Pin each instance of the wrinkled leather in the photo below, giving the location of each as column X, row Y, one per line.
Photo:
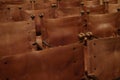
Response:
column 61, row 31
column 60, row 63
column 103, row 25
column 103, row 58
column 16, row 37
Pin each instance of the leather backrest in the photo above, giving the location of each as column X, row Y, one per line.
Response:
column 103, row 25
column 61, row 31
column 11, row 1
column 113, row 8
column 60, row 63
column 69, row 3
column 16, row 37
column 103, row 58
column 113, row 1
column 12, row 13
column 94, row 6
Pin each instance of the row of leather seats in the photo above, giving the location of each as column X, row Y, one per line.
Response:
column 69, row 35
column 57, row 23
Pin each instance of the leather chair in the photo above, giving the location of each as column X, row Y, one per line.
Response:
column 61, row 31
column 103, row 25
column 59, row 63
column 103, row 58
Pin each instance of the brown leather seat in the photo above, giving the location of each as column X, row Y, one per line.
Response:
column 103, row 25
column 51, row 13
column 16, row 37
column 61, row 31
column 103, row 58
column 60, row 63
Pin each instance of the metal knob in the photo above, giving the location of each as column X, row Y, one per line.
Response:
column 41, row 15
column 32, row 17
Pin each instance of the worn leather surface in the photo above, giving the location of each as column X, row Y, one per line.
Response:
column 61, row 31
column 16, row 37
column 69, row 3
column 113, row 8
column 91, row 2
column 60, row 63
column 11, row 1
column 103, row 60
column 113, row 1
column 36, row 14
column 12, row 13
column 103, row 25
column 37, row 4
column 71, row 11
column 94, row 7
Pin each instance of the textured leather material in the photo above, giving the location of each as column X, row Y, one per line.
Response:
column 91, row 2
column 12, row 13
column 113, row 8
column 11, row 1
column 103, row 58
column 61, row 12
column 36, row 14
column 113, row 1
column 61, row 31
column 69, row 3
column 16, row 37
column 94, row 7
column 37, row 4
column 103, row 25
column 60, row 63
